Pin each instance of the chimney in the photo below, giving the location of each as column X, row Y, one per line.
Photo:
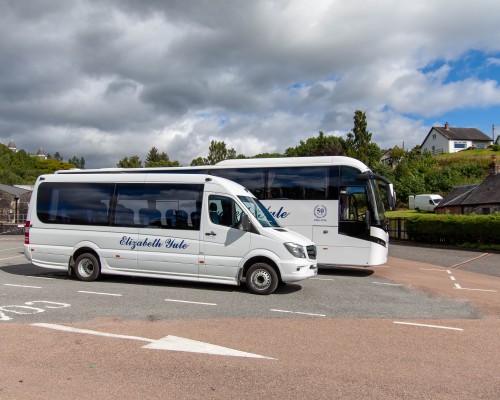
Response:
column 446, row 126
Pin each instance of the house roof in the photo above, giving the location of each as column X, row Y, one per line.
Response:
column 487, row 192
column 452, row 133
column 13, row 190
column 457, row 195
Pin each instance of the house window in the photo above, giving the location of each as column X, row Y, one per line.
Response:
column 434, row 136
column 486, row 210
column 460, row 145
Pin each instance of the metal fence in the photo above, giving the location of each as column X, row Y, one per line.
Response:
column 397, row 229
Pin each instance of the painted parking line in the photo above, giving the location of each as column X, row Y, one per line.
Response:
column 10, row 258
column 191, row 302
column 298, row 312
column 100, row 293
column 388, row 284
column 23, row 286
column 457, row 286
column 172, row 343
column 321, row 279
column 453, row 279
column 12, row 248
column 429, row 326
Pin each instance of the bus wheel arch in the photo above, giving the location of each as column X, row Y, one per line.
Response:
column 262, row 275
column 86, row 264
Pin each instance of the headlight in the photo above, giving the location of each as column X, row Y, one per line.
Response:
column 295, row 249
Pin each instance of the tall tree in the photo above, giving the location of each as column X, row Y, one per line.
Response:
column 358, row 143
column 322, row 145
column 157, row 159
column 217, row 152
column 130, row 162
column 77, row 162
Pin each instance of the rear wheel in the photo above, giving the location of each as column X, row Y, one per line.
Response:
column 87, row 267
column 261, row 278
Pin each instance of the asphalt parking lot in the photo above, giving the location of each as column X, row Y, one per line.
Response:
column 412, row 328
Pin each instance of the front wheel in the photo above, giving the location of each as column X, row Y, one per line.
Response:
column 87, row 267
column 261, row 278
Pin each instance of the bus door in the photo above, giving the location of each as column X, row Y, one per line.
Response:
column 224, row 243
column 354, row 226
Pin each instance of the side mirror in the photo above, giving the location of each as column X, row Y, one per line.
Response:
column 246, row 225
column 391, row 196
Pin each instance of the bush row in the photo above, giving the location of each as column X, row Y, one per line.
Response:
column 455, row 229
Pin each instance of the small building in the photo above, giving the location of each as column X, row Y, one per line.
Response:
column 12, row 146
column 448, row 139
column 41, row 154
column 14, row 203
column 483, row 198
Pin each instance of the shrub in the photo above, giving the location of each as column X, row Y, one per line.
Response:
column 455, row 229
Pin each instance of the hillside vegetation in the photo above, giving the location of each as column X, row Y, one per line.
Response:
column 20, row 168
column 415, row 173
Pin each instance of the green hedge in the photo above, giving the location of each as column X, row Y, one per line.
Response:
column 455, row 229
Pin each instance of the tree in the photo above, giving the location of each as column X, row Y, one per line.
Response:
column 57, row 156
column 132, row 162
column 358, row 143
column 77, row 162
column 317, row 146
column 157, row 159
column 217, row 152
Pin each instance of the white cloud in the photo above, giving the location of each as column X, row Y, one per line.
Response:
column 108, row 80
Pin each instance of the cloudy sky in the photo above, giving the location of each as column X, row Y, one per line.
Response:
column 108, row 79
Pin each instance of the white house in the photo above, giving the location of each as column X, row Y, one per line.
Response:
column 448, row 139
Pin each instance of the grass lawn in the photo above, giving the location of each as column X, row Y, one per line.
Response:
column 483, row 155
column 404, row 213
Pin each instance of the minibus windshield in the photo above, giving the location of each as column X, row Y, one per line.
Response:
column 257, row 209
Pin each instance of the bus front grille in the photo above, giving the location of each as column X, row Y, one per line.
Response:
column 311, row 252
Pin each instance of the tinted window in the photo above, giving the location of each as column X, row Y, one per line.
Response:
column 303, row 183
column 169, row 206
column 74, row 203
column 224, row 211
column 348, row 176
column 252, row 179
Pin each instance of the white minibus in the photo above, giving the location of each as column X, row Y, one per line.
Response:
column 337, row 202
column 177, row 226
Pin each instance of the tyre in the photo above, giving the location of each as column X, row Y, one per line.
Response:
column 261, row 278
column 87, row 267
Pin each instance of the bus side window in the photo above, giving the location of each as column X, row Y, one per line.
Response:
column 224, row 211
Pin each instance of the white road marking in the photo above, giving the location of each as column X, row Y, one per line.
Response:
column 434, row 269
column 428, row 326
column 477, row 290
column 191, row 302
column 8, row 258
column 298, row 312
column 13, row 248
column 23, row 286
column 172, row 343
column 103, row 294
column 452, row 278
column 389, row 284
column 321, row 279
column 457, row 286
column 41, row 277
